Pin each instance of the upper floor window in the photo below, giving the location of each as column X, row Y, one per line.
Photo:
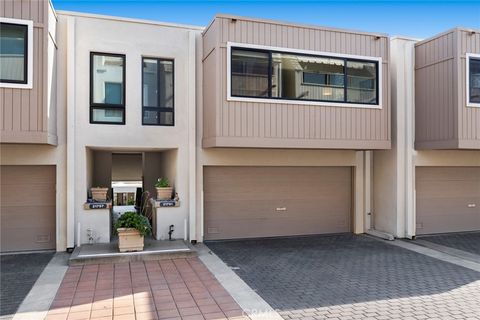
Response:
column 473, row 80
column 107, row 88
column 262, row 73
column 16, row 61
column 158, row 92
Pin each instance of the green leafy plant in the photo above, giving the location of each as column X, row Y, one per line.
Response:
column 162, row 183
column 134, row 220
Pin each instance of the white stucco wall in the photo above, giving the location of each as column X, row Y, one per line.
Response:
column 135, row 39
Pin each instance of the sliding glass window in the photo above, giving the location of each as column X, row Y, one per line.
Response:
column 474, row 80
column 158, row 92
column 291, row 76
column 107, row 88
column 13, row 53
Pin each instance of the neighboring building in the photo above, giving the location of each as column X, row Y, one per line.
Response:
column 32, row 130
column 264, row 128
column 430, row 181
column 286, row 115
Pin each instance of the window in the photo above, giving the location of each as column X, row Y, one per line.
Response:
column 261, row 73
column 107, row 88
column 473, row 80
column 250, row 73
column 158, row 92
column 16, row 53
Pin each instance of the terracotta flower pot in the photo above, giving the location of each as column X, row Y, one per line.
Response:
column 99, row 194
column 164, row 193
column 129, row 239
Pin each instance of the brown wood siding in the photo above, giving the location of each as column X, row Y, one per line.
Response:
column 242, row 202
column 256, row 124
column 27, row 208
column 468, row 117
column 442, row 119
column 24, row 112
column 448, row 199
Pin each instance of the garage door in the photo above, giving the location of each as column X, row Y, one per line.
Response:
column 27, row 206
column 448, row 199
column 249, row 202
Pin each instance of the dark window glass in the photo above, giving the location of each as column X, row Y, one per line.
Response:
column 249, row 73
column 288, row 77
column 278, row 75
column 158, row 92
column 474, row 84
column 362, row 82
column 13, row 53
column 107, row 88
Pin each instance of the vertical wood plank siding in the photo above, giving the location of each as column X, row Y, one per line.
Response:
column 24, row 112
column 468, row 118
column 258, row 124
column 442, row 118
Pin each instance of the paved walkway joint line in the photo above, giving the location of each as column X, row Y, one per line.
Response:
column 248, row 299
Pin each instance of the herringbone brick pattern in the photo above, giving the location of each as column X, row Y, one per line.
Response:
column 352, row 277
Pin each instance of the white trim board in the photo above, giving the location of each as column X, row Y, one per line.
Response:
column 29, row 84
column 306, row 102
column 467, row 80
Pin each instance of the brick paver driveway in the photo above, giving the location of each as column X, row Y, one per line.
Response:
column 18, row 273
column 468, row 241
column 352, row 277
column 166, row 289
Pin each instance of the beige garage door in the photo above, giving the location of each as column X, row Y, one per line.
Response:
column 448, row 199
column 248, row 202
column 27, row 207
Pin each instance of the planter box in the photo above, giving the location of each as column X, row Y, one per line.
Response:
column 164, row 193
column 99, row 194
column 129, row 239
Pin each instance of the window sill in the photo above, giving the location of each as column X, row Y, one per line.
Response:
column 16, row 85
column 308, row 103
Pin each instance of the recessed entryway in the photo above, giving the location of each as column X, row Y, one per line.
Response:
column 250, row 202
column 448, row 199
column 27, row 208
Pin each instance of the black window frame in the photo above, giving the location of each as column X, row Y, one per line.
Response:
column 25, row 61
column 469, row 93
column 345, row 79
column 106, row 106
column 159, row 109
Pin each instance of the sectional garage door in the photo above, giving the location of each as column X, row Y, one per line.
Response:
column 448, row 199
column 249, row 202
column 27, row 207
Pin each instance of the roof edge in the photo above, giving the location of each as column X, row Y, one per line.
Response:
column 130, row 20
column 438, row 35
column 293, row 24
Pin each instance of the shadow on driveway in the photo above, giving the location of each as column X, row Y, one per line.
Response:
column 306, row 274
column 18, row 273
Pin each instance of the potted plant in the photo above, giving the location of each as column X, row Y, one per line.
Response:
column 131, row 228
column 164, row 190
column 99, row 193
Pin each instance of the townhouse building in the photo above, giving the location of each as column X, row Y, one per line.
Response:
column 429, row 182
column 263, row 128
column 288, row 114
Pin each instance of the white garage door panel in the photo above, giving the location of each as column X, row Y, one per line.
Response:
column 448, row 199
column 241, row 202
column 28, row 211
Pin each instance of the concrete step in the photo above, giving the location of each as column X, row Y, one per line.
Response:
column 102, row 253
